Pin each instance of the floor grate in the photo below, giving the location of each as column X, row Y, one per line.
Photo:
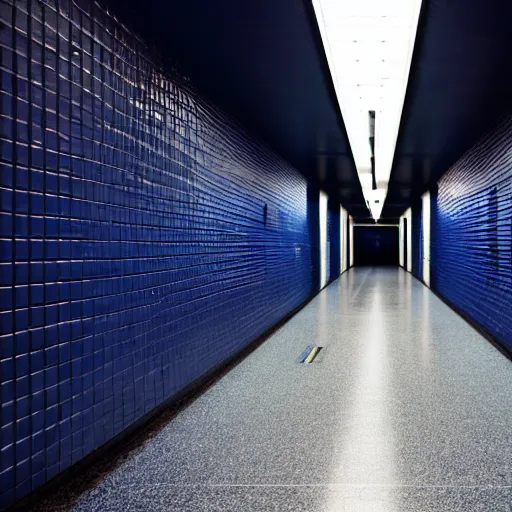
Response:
column 309, row 355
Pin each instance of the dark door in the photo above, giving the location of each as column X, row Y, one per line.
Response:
column 375, row 245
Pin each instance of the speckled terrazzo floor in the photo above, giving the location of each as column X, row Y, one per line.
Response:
column 407, row 409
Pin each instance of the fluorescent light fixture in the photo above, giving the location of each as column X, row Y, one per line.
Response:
column 324, row 257
column 425, row 227
column 369, row 45
column 407, row 216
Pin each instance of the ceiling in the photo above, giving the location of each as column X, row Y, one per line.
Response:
column 262, row 62
column 369, row 45
column 460, row 85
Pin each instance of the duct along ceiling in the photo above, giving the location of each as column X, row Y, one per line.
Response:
column 262, row 62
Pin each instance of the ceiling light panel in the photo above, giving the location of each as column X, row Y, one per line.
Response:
column 369, row 46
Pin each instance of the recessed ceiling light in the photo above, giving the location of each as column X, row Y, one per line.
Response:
column 367, row 20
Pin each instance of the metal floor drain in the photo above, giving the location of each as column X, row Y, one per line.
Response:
column 309, row 354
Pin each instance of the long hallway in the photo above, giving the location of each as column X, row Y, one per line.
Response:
column 406, row 409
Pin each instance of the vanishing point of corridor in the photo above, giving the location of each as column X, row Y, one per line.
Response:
column 407, row 408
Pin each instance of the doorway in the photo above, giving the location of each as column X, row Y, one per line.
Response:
column 405, row 243
column 376, row 245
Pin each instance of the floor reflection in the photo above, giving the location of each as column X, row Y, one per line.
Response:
column 366, row 431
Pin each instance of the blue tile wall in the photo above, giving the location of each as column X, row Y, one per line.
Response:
column 145, row 237
column 471, row 241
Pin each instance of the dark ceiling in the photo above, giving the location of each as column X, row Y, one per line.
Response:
column 262, row 61
column 460, row 85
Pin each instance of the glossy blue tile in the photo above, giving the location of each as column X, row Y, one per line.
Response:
column 143, row 255
column 471, row 237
